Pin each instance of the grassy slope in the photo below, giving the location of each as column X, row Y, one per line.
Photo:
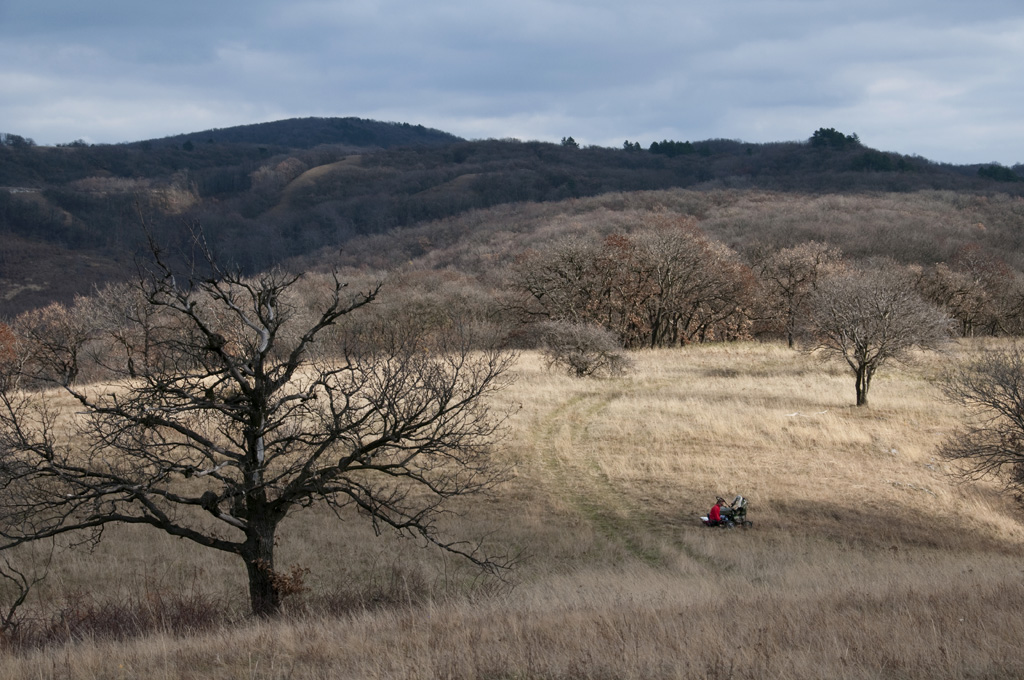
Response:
column 865, row 561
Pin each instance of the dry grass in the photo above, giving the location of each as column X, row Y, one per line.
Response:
column 865, row 561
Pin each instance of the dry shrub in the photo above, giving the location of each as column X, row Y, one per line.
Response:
column 582, row 349
column 83, row 617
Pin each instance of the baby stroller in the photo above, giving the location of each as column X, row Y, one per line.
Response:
column 733, row 515
column 736, row 513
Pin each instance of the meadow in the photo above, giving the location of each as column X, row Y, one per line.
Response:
column 867, row 558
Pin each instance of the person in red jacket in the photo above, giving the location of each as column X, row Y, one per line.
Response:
column 715, row 515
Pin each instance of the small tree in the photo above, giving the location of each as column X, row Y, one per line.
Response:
column 992, row 444
column 583, row 349
column 54, row 337
column 869, row 318
column 228, row 398
column 978, row 289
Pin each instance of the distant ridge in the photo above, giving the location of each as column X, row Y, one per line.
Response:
column 306, row 133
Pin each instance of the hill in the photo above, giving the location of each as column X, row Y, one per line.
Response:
column 306, row 133
column 268, row 192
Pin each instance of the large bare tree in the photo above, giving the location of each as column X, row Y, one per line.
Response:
column 871, row 317
column 231, row 403
column 665, row 283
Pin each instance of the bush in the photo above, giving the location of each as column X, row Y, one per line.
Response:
column 583, row 349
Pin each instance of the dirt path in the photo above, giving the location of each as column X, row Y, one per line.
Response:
column 617, row 515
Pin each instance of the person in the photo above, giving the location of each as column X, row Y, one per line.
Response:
column 715, row 514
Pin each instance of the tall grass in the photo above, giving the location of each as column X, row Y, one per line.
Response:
column 866, row 559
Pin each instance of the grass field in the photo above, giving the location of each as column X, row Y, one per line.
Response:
column 866, row 559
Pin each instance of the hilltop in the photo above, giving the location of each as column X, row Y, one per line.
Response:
column 306, row 133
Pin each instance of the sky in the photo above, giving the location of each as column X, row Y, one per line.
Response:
column 940, row 79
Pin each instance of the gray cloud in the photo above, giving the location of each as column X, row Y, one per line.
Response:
column 938, row 79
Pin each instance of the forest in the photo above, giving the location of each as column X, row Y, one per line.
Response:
column 76, row 215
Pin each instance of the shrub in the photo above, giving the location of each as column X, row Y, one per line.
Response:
column 583, row 349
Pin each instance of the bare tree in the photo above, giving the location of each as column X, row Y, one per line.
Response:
column 665, row 283
column 18, row 582
column 789, row 277
column 689, row 287
column 55, row 336
column 992, row 444
column 979, row 290
column 871, row 317
column 563, row 281
column 227, row 400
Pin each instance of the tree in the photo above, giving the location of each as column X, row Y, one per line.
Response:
column 16, row 141
column 235, row 399
column 789, row 277
column 992, row 389
column 53, row 338
column 689, row 288
column 570, row 143
column 871, row 317
column 562, row 281
column 981, row 291
column 672, row 148
column 999, row 173
column 666, row 283
column 833, row 139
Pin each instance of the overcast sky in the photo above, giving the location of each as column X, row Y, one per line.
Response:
column 941, row 79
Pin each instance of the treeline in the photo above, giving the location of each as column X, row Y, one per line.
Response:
column 235, row 150
column 678, row 267
column 668, row 284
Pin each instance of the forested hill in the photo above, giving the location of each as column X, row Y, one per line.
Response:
column 23, row 164
column 73, row 215
column 305, row 133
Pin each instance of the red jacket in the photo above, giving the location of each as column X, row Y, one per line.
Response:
column 715, row 515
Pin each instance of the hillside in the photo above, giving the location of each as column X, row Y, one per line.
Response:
column 921, row 227
column 264, row 193
column 866, row 559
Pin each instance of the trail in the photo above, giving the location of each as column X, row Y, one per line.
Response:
column 643, row 529
column 618, row 516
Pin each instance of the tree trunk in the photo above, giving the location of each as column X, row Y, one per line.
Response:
column 258, row 554
column 863, row 383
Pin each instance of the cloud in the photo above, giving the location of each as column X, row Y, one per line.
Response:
column 937, row 79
